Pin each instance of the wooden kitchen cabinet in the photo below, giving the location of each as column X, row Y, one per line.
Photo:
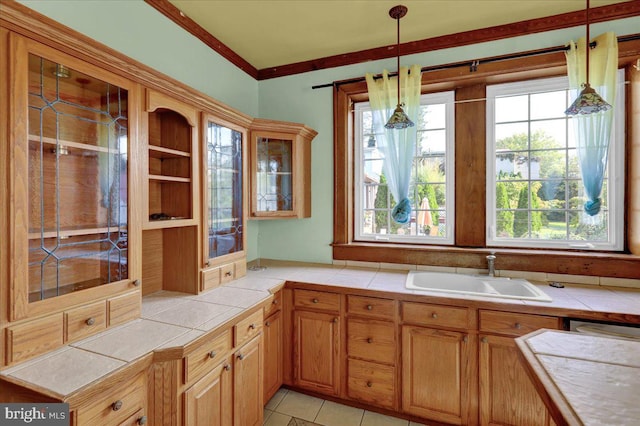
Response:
column 280, row 161
column 273, row 347
column 436, row 373
column 507, row 396
column 316, row 342
column 209, row 401
column 72, row 232
column 247, row 384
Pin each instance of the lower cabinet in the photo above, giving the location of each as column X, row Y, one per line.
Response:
column 208, row 401
column 435, row 373
column 273, row 359
column 317, row 352
column 247, row 384
column 507, row 396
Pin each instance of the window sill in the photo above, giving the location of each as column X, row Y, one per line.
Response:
column 601, row 264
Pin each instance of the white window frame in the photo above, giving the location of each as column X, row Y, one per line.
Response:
column 615, row 169
column 448, row 99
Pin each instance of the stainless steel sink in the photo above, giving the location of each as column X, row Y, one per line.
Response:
column 476, row 285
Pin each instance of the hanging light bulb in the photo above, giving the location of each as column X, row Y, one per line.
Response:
column 588, row 101
column 398, row 120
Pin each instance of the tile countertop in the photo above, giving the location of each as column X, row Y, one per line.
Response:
column 584, row 380
column 171, row 319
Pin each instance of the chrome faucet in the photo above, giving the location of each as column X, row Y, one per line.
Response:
column 491, row 264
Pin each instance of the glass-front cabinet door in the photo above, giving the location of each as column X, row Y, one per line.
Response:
column 224, row 173
column 71, row 176
column 280, row 169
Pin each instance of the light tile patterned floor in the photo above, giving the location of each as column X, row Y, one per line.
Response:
column 286, row 404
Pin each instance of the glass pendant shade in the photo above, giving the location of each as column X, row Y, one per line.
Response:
column 399, row 120
column 588, row 102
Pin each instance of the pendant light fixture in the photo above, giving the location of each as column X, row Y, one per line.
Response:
column 398, row 120
column 588, row 101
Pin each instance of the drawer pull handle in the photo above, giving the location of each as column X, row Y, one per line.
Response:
column 335, row 320
column 517, row 326
column 252, row 326
column 434, row 315
column 315, row 300
column 142, row 420
column 227, row 274
column 136, row 283
column 208, row 263
column 369, row 307
column 268, row 324
column 484, row 340
column 369, row 384
column 90, row 321
column 227, row 367
column 116, row 405
column 465, row 339
column 369, row 340
column 240, row 357
column 275, row 301
column 212, row 354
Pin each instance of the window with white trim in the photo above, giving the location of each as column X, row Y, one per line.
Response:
column 432, row 179
column 535, row 194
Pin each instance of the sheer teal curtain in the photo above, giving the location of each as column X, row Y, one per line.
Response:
column 593, row 131
column 397, row 146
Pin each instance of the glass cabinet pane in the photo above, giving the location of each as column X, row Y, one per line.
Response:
column 224, row 190
column 274, row 162
column 77, row 180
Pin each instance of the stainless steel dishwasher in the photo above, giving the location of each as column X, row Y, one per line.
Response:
column 604, row 329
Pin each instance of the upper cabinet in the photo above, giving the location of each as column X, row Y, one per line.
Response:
column 280, row 162
column 172, row 166
column 69, row 180
column 224, row 166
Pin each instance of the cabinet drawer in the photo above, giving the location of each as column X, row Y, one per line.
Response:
column 437, row 315
column 513, row 324
column 137, row 418
column 371, row 340
column 247, row 328
column 371, row 306
column 85, row 320
column 34, row 338
column 124, row 308
column 275, row 304
column 226, row 273
column 117, row 406
column 210, row 278
column 206, row 356
column 372, row 383
column 317, row 300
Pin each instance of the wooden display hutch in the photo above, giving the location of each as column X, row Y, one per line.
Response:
column 170, row 237
column 280, row 169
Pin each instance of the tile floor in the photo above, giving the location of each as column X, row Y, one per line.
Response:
column 287, row 403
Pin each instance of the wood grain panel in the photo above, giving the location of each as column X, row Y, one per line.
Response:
column 209, row 401
column 85, row 320
column 371, row 307
column 153, row 261
column 124, row 308
column 273, row 355
column 511, row 324
column 371, row 340
column 247, row 328
column 437, row 315
column 633, row 157
column 34, row 338
column 372, row 383
column 316, row 300
column 131, row 395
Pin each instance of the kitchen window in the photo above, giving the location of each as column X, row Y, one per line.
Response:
column 432, row 179
column 535, row 194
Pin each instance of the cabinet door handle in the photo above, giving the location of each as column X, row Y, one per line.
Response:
column 136, row 283
column 207, row 263
column 517, row 326
column 267, row 324
column 240, row 357
column 369, row 384
column 116, row 405
column 369, row 340
column 484, row 340
column 434, row 315
column 227, row 274
column 212, row 354
column 335, row 320
column 90, row 321
column 252, row 326
column 142, row 420
column 275, row 301
column 315, row 300
column 369, row 307
column 227, row 367
column 465, row 339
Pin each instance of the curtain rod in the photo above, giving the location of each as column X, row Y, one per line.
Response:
column 473, row 65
